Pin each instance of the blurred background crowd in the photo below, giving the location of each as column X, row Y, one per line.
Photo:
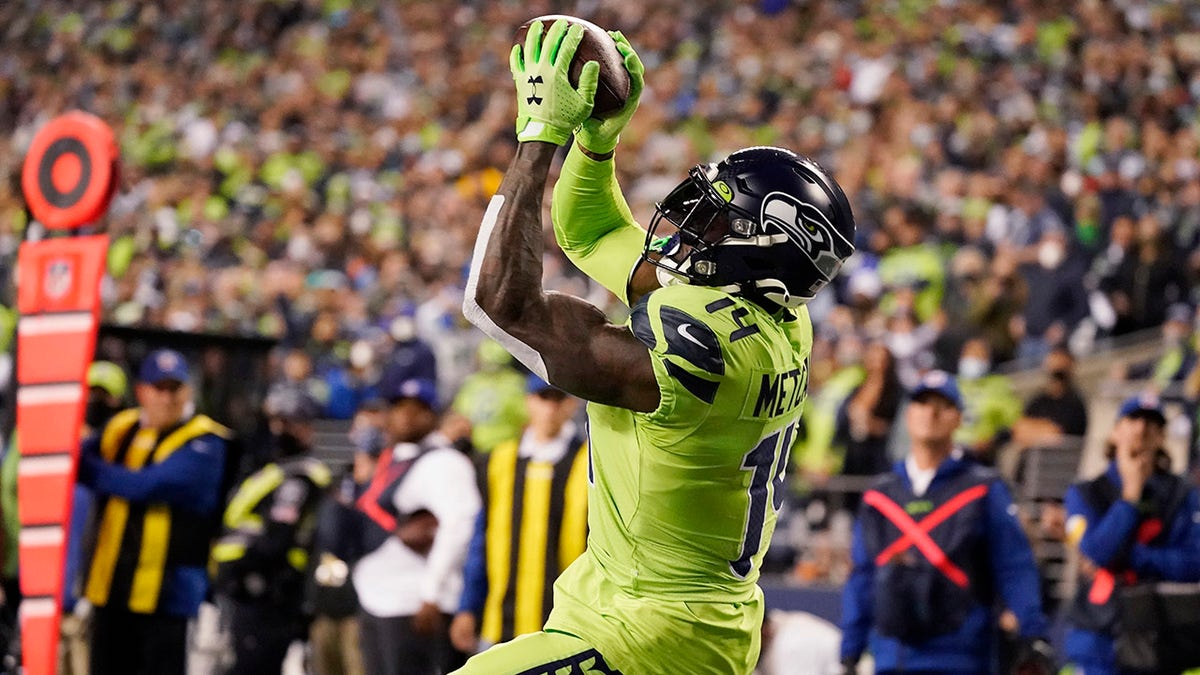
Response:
column 1025, row 178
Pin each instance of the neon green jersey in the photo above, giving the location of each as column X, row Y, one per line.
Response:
column 683, row 499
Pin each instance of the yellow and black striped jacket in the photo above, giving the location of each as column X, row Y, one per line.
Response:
column 536, row 525
column 155, row 524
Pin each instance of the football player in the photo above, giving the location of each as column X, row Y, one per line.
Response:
column 694, row 401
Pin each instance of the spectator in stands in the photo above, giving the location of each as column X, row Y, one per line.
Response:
column 296, row 372
column 1148, row 281
column 818, row 452
column 532, row 525
column 866, row 417
column 921, row 594
column 352, row 384
column 1135, row 522
column 913, row 262
column 156, row 472
column 411, row 357
column 990, row 406
column 493, row 399
column 419, row 512
column 1059, row 302
column 1057, row 410
column 1180, row 345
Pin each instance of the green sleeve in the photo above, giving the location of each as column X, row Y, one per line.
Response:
column 593, row 224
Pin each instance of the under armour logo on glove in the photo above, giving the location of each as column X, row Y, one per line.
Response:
column 533, row 98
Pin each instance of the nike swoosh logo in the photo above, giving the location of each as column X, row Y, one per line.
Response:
column 683, row 331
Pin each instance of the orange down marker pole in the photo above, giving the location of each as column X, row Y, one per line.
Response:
column 68, row 180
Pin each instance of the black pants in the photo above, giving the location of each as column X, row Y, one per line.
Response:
column 124, row 643
column 261, row 634
column 390, row 646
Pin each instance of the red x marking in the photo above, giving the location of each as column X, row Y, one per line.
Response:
column 917, row 534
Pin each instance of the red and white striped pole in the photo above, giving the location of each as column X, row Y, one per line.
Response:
column 68, row 180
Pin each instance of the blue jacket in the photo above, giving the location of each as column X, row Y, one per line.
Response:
column 188, row 481
column 475, row 581
column 1006, row 566
column 1108, row 540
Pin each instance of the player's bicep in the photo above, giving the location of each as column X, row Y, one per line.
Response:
column 591, row 358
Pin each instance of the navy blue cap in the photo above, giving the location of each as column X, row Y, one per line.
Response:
column 422, row 389
column 941, row 383
column 1143, row 405
column 536, row 385
column 162, row 365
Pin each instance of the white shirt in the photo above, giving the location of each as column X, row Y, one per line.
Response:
column 549, row 451
column 803, row 644
column 921, row 478
column 393, row 580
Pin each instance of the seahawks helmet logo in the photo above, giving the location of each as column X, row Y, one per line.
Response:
column 809, row 228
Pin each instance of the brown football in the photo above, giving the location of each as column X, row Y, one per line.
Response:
column 597, row 45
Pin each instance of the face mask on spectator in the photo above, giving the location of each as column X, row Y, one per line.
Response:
column 1050, row 254
column 972, row 367
column 903, row 345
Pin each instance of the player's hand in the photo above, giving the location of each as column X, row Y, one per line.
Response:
column 428, row 620
column 600, row 136
column 462, row 633
column 548, row 107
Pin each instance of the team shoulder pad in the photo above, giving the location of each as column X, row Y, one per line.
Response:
column 691, row 351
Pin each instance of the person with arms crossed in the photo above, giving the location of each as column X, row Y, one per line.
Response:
column 532, row 525
column 694, row 402
column 156, row 473
column 936, row 540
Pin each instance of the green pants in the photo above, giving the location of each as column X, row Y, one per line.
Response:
column 597, row 627
column 544, row 653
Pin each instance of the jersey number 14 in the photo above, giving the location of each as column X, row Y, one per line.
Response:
column 768, row 462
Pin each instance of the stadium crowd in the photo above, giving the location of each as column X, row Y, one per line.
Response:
column 312, row 170
column 1024, row 177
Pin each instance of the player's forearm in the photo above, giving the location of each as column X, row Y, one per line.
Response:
column 504, row 291
column 592, row 222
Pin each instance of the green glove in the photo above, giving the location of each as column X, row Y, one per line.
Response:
column 548, row 107
column 600, row 136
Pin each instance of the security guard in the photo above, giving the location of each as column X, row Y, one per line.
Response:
column 937, row 539
column 156, row 473
column 532, row 525
column 262, row 556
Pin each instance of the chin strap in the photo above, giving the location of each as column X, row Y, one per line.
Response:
column 775, row 291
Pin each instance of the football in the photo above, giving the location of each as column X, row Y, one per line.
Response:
column 597, row 45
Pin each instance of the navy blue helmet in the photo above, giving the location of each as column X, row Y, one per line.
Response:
column 764, row 221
